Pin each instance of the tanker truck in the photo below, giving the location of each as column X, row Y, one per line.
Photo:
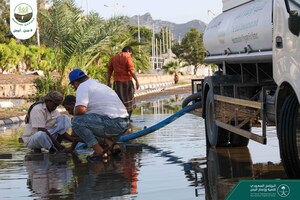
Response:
column 255, row 45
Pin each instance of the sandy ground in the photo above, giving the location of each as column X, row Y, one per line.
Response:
column 16, row 78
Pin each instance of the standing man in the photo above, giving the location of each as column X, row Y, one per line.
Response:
column 121, row 66
column 98, row 113
column 45, row 126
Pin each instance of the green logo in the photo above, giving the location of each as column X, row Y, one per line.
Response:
column 23, row 18
column 265, row 189
column 283, row 190
column 23, row 13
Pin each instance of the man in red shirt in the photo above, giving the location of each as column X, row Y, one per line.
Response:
column 121, row 67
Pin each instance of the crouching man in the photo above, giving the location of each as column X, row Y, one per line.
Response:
column 99, row 114
column 45, row 126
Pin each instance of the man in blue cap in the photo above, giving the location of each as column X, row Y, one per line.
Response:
column 98, row 113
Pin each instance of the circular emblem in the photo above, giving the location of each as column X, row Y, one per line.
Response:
column 23, row 13
column 283, row 190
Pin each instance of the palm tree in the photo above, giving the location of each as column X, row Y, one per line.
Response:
column 77, row 40
column 173, row 68
column 141, row 50
column 86, row 42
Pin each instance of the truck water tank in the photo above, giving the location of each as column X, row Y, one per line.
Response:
column 242, row 29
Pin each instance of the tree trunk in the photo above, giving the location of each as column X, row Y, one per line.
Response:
column 176, row 78
column 195, row 69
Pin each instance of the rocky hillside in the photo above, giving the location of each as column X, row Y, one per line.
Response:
column 178, row 30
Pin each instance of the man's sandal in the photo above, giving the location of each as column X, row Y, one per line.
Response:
column 114, row 149
column 95, row 157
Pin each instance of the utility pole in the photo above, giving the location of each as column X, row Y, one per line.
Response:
column 160, row 48
column 38, row 34
column 153, row 45
column 156, row 52
column 87, row 8
column 163, row 37
column 160, row 53
column 139, row 35
column 167, row 39
column 171, row 39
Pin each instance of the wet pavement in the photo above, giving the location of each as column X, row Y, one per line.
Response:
column 171, row 163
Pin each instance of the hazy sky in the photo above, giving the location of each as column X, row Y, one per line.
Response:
column 178, row 11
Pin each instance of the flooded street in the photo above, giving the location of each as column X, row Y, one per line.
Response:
column 171, row 163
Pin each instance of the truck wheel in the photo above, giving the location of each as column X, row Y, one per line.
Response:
column 240, row 141
column 215, row 136
column 289, row 136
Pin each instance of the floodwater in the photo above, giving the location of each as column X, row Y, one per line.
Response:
column 171, row 163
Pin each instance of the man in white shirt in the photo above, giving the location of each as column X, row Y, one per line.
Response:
column 44, row 124
column 98, row 113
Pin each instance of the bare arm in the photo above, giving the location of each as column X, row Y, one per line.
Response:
column 135, row 78
column 74, row 139
column 109, row 73
column 108, row 79
column 54, row 141
column 68, row 137
column 80, row 110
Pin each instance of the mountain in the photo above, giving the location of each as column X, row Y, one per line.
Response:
column 178, row 30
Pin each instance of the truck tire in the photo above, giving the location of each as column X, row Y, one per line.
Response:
column 289, row 136
column 215, row 136
column 238, row 140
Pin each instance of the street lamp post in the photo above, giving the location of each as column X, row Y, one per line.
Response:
column 115, row 7
column 139, row 34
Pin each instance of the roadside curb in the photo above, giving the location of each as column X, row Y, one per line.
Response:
column 12, row 120
column 158, row 88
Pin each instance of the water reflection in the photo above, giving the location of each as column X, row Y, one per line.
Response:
column 48, row 175
column 56, row 176
column 164, row 106
column 116, row 178
column 226, row 166
column 171, row 163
